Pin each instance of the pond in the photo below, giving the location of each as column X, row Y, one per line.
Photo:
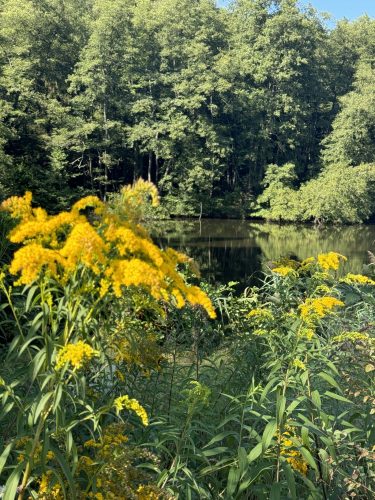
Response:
column 236, row 250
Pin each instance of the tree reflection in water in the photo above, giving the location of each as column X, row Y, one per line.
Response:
column 234, row 250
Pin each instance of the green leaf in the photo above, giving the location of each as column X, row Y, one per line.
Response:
column 280, row 407
column 305, row 436
column 275, row 493
column 294, row 404
column 324, row 461
column 66, row 470
column 289, row 476
column 233, row 480
column 242, row 461
column 267, row 388
column 57, row 398
column 12, row 484
column 255, row 453
column 38, row 363
column 42, row 405
column 215, row 451
column 328, row 378
column 315, row 397
column 220, row 437
column 268, row 434
column 4, row 456
column 30, row 296
column 338, row 397
column 309, row 458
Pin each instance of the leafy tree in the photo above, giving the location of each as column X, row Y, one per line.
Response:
column 279, row 200
column 352, row 140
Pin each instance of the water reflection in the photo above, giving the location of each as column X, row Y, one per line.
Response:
column 238, row 250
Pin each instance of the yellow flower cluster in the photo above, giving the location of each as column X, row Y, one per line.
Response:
column 124, row 402
column 145, row 492
column 330, row 260
column 75, row 354
column 297, row 363
column 142, row 189
column 19, row 207
column 318, row 308
column 116, row 249
column 287, row 263
column 307, row 333
column 308, row 262
column 260, row 314
column 294, row 457
column 111, row 438
column 357, row 279
column 48, row 492
column 283, row 270
column 351, row 337
column 260, row 332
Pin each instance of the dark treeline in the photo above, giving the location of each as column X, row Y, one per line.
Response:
column 256, row 109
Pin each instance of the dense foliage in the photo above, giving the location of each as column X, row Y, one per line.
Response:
column 83, row 278
column 198, row 99
column 119, row 380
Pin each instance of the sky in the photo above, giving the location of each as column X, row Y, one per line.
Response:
column 351, row 9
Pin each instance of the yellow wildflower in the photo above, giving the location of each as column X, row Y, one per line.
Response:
column 45, row 491
column 359, row 279
column 283, row 271
column 299, row 364
column 116, row 249
column 296, row 462
column 145, row 492
column 19, row 207
column 75, row 354
column 351, row 337
column 307, row 333
column 134, row 195
column 323, row 289
column 30, row 260
column 320, row 307
column 287, row 263
column 89, row 202
column 293, row 456
column 330, row 260
column 260, row 332
column 124, row 402
column 260, row 314
column 84, row 246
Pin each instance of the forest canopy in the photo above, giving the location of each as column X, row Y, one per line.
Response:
column 253, row 110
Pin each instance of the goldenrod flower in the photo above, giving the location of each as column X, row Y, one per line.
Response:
column 330, row 260
column 145, row 492
column 124, row 402
column 118, row 251
column 351, row 337
column 299, row 364
column 19, row 207
column 318, row 308
column 75, row 354
column 307, row 333
column 31, row 259
column 283, row 271
column 293, row 456
column 357, row 279
column 260, row 314
column 260, row 332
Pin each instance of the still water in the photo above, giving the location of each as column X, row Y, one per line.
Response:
column 236, row 250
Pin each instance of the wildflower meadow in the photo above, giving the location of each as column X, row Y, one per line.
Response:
column 122, row 378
